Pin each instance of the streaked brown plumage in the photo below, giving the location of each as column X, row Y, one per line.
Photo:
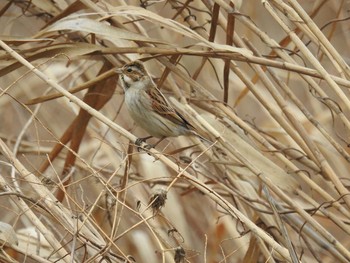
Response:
column 148, row 106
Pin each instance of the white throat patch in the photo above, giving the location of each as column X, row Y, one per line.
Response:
column 128, row 80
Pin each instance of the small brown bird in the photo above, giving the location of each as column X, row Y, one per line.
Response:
column 148, row 106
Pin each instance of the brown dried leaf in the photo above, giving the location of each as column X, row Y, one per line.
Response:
column 100, row 28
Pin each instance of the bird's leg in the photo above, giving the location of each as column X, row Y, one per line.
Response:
column 139, row 141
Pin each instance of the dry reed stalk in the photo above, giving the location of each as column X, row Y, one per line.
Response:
column 274, row 100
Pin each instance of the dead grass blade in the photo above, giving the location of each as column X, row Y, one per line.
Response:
column 267, row 84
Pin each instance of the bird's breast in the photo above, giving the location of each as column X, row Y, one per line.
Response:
column 140, row 108
column 138, row 104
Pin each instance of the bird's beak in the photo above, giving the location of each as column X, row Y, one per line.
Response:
column 119, row 70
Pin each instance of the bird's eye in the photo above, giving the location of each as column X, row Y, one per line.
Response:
column 129, row 69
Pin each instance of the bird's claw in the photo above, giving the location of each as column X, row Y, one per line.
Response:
column 138, row 143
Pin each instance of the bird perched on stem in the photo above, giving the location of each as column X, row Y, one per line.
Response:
column 148, row 106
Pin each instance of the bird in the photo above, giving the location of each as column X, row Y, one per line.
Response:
column 148, row 106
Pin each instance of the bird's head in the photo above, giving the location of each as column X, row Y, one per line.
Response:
column 131, row 73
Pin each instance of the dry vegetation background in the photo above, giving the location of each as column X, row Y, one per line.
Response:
column 266, row 81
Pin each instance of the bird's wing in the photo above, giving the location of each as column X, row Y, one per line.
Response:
column 162, row 106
